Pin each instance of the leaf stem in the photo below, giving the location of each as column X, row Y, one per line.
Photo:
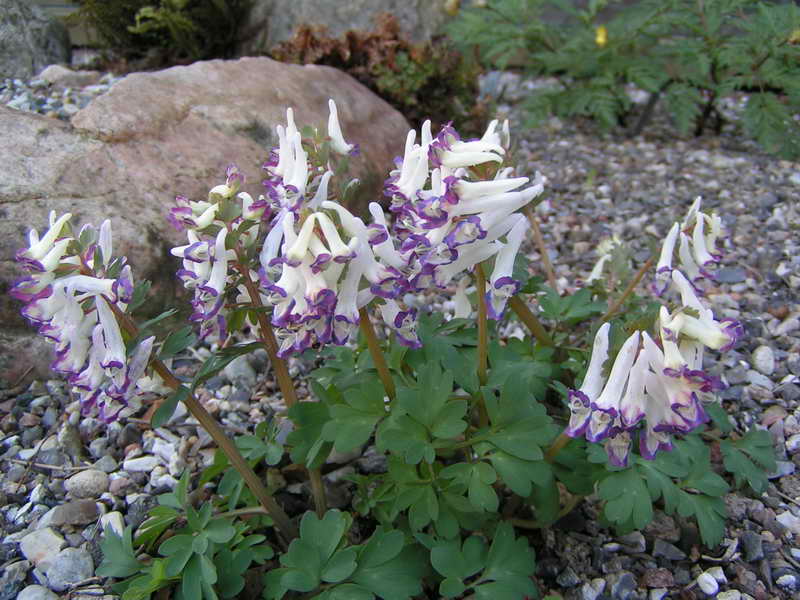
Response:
column 539, row 239
column 267, row 338
column 375, row 351
column 628, row 290
column 530, row 320
column 198, row 411
column 483, row 344
column 562, row 440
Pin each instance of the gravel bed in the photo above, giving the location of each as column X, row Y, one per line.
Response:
column 64, row 477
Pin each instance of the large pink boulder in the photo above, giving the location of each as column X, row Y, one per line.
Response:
column 153, row 136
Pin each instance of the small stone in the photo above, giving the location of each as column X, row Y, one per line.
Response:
column 87, row 484
column 239, row 371
column 568, row 578
column 756, row 378
column 76, row 512
column 731, row 275
column 666, row 550
column 13, row 578
column 789, row 521
column 106, row 464
column 141, row 464
column 718, row 574
column 783, row 469
column 41, row 545
column 752, row 543
column 36, row 592
column 633, row 542
column 764, row 360
column 658, row 594
column 592, row 589
column 71, row 565
column 657, row 578
column 623, row 584
column 118, row 485
column 730, row 595
column 707, row 583
column 114, row 520
column 787, row 582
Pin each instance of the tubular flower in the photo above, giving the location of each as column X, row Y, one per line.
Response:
column 658, row 387
column 73, row 310
column 447, row 219
column 693, row 242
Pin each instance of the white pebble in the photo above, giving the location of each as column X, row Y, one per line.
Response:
column 764, row 360
column 707, row 583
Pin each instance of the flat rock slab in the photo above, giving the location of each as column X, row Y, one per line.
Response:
column 154, row 136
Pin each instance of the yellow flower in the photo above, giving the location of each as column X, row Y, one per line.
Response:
column 601, row 36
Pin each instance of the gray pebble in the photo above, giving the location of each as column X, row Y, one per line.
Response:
column 70, row 566
column 752, row 543
column 623, row 584
column 106, row 464
column 707, row 583
column 731, row 275
column 662, row 549
column 36, row 592
column 13, row 578
column 764, row 360
column 87, row 484
column 568, row 578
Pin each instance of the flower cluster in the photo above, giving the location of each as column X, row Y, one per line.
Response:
column 450, row 211
column 658, row 385
column 71, row 291
column 318, row 263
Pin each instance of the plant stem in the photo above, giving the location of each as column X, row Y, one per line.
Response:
column 483, row 344
column 531, row 322
column 562, row 440
column 198, row 411
column 377, row 354
column 628, row 290
column 539, row 239
column 282, row 375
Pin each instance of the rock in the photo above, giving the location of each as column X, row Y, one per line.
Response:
column 764, row 360
column 592, row 589
column 633, row 542
column 707, row 583
column 106, row 464
column 36, row 592
column 114, row 520
column 666, row 550
column 87, row 484
column 141, row 464
column 788, row 520
column 71, row 565
column 623, row 584
column 273, row 21
column 568, row 578
column 62, row 77
column 239, row 371
column 42, row 545
column 76, row 512
column 752, row 543
column 788, row 582
column 731, row 275
column 657, row 578
column 153, row 136
column 13, row 578
column 658, row 594
column 29, row 40
column 730, row 595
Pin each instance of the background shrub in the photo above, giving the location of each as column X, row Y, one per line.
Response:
column 686, row 53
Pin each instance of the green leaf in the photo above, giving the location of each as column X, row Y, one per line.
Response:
column 340, row 566
column 308, row 445
column 176, row 342
column 220, row 531
column 509, row 566
column 719, row 417
column 519, row 474
column 119, row 558
column 352, row 423
column 164, row 412
column 517, row 439
column 192, row 578
column 627, row 498
column 220, row 359
column 750, row 459
column 710, row 514
column 398, row 578
column 208, row 570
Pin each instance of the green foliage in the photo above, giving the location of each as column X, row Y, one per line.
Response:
column 750, row 458
column 167, row 31
column 690, row 54
column 201, row 555
column 385, row 566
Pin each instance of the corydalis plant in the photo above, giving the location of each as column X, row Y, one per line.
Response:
column 658, row 388
column 317, row 264
column 71, row 286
